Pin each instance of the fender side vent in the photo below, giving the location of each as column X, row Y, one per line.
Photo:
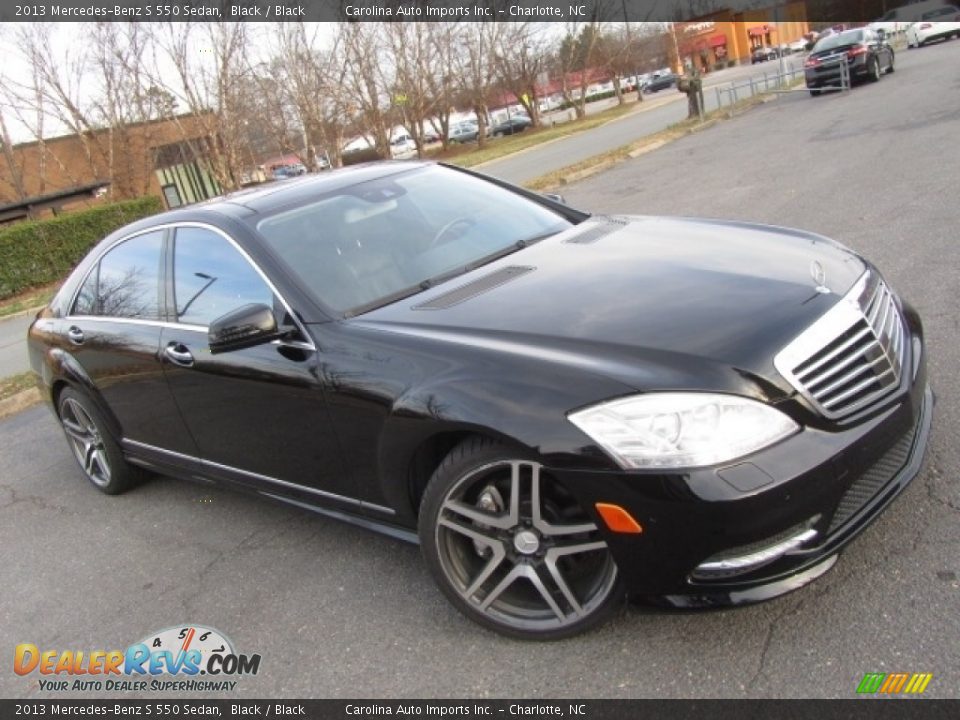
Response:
column 595, row 229
column 474, row 288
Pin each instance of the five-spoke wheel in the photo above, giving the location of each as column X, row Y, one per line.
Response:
column 96, row 452
column 512, row 548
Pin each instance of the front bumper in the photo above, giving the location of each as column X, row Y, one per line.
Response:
column 831, row 480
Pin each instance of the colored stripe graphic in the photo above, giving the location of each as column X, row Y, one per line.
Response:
column 893, row 683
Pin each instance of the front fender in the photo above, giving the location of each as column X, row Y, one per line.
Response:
column 527, row 412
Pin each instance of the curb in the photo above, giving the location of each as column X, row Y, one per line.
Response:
column 21, row 313
column 639, row 108
column 642, row 149
column 19, row 402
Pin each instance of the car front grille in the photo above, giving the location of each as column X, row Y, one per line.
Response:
column 866, row 487
column 852, row 356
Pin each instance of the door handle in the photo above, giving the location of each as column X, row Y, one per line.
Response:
column 178, row 353
column 75, row 335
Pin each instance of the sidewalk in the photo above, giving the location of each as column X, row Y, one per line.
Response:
column 13, row 343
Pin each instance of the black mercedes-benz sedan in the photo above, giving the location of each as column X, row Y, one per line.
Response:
column 858, row 54
column 562, row 409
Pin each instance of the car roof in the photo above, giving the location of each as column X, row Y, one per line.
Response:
column 293, row 191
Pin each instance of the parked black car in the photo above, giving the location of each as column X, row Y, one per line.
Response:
column 515, row 124
column 660, row 82
column 866, row 54
column 560, row 408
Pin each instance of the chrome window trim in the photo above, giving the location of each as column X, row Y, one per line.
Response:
column 137, row 321
column 265, row 478
column 166, row 323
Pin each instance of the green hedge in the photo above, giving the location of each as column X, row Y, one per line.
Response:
column 36, row 252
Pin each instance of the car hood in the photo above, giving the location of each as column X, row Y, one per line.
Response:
column 652, row 302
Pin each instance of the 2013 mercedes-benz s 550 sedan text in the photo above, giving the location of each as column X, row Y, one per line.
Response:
column 562, row 409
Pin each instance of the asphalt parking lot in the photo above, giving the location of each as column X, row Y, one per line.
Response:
column 336, row 611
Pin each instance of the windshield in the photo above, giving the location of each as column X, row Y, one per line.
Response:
column 850, row 37
column 378, row 241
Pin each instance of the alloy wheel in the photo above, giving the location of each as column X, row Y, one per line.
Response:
column 520, row 551
column 86, row 441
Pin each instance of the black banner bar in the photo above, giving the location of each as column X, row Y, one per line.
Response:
column 854, row 709
column 435, row 10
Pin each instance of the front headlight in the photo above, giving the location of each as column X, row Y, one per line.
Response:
column 682, row 430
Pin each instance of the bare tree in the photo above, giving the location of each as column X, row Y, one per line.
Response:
column 366, row 81
column 312, row 80
column 575, row 60
column 211, row 62
column 522, row 53
column 413, row 52
column 442, row 78
column 476, row 69
column 56, row 89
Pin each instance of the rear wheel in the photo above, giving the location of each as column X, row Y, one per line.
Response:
column 95, row 450
column 511, row 548
column 814, row 92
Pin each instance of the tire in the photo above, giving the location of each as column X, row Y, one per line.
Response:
column 512, row 549
column 94, row 449
column 874, row 70
column 891, row 68
column 814, row 92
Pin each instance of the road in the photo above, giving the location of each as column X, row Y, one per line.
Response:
column 660, row 111
column 337, row 611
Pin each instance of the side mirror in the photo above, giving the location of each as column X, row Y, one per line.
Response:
column 556, row 198
column 244, row 327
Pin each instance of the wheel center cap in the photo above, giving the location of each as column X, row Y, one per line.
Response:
column 526, row 542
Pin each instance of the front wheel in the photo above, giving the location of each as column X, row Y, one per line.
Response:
column 511, row 548
column 874, row 70
column 95, row 450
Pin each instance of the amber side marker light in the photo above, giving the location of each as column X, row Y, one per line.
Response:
column 618, row 519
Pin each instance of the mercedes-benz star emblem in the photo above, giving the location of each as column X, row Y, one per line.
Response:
column 819, row 276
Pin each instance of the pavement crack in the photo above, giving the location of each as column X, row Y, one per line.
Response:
column 14, row 498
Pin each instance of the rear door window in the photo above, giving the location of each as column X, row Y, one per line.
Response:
column 126, row 281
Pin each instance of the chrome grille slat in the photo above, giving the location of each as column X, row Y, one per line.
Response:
column 852, row 356
column 859, row 336
column 856, row 388
column 833, row 369
column 847, row 377
column 879, row 326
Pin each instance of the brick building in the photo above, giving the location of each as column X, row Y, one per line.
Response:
column 165, row 158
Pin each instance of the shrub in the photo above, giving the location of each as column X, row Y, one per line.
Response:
column 355, row 157
column 36, row 252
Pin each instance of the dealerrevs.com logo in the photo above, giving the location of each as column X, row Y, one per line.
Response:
column 180, row 658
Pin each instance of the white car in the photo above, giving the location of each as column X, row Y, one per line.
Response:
column 402, row 147
column 900, row 18
column 938, row 23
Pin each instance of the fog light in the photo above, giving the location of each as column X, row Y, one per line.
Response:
column 737, row 564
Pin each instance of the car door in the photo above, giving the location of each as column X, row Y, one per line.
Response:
column 257, row 414
column 112, row 335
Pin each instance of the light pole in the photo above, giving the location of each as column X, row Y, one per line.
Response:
column 776, row 22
